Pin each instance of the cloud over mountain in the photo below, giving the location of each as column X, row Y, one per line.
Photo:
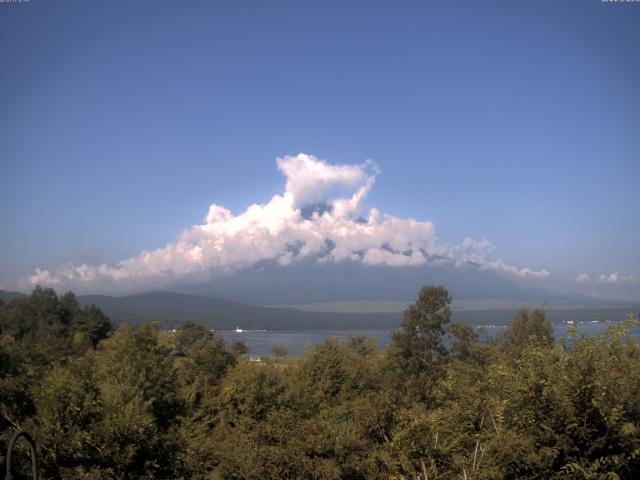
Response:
column 318, row 216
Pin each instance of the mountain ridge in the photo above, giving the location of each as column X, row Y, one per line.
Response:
column 173, row 308
column 305, row 282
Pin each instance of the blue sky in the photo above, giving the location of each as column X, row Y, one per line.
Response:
column 514, row 122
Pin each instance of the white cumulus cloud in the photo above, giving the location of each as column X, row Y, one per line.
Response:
column 318, row 216
column 615, row 277
column 43, row 277
column 583, row 278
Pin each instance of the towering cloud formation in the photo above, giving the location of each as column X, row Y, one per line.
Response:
column 319, row 217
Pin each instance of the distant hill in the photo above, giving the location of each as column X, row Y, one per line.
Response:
column 6, row 296
column 173, row 308
column 303, row 282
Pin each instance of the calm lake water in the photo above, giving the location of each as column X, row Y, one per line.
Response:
column 261, row 343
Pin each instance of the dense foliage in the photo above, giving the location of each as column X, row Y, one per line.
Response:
column 147, row 403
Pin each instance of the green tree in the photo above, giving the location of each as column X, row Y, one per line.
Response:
column 419, row 354
column 68, row 406
column 205, row 362
column 465, row 343
column 528, row 326
column 92, row 324
column 138, row 392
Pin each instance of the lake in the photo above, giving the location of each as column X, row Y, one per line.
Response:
column 297, row 341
